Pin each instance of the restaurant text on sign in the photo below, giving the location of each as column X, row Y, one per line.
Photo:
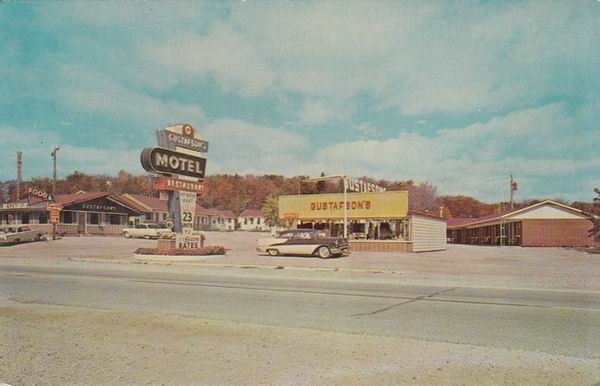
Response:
column 173, row 184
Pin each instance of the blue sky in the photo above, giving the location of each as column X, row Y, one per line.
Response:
column 460, row 94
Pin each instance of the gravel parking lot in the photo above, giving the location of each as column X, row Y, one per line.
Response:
column 511, row 267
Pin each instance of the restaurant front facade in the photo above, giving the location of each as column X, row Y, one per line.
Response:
column 376, row 221
column 91, row 213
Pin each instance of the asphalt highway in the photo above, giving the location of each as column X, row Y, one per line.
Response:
column 557, row 322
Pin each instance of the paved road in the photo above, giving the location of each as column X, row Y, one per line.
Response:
column 549, row 321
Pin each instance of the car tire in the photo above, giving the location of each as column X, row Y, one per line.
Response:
column 38, row 237
column 273, row 252
column 126, row 235
column 323, row 252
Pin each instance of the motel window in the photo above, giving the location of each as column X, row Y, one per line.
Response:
column 93, row 218
column 258, row 221
column 43, row 218
column 245, row 221
column 164, row 217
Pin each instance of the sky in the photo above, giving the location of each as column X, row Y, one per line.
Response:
column 457, row 93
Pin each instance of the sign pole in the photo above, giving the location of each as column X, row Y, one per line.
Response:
column 345, row 207
column 179, row 163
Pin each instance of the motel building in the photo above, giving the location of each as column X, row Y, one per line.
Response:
column 377, row 221
column 214, row 219
column 156, row 210
column 84, row 213
column 545, row 224
column 252, row 220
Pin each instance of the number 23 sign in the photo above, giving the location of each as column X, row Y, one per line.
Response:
column 187, row 204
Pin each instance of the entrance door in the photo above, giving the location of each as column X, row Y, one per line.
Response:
column 80, row 222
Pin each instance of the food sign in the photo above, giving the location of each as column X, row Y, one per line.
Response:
column 31, row 191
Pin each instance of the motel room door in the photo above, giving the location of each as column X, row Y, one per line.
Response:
column 81, row 222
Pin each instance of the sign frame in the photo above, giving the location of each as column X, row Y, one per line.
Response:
column 150, row 162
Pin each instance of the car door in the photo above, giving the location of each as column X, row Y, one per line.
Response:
column 284, row 243
column 301, row 243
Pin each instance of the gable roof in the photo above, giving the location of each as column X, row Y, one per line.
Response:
column 146, row 203
column 506, row 215
column 251, row 213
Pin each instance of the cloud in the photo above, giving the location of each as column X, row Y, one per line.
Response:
column 241, row 147
column 318, row 113
column 37, row 162
column 478, row 158
column 92, row 93
column 418, row 57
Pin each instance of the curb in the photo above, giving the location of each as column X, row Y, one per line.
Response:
column 170, row 261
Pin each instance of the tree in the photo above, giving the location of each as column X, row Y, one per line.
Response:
column 595, row 231
column 270, row 211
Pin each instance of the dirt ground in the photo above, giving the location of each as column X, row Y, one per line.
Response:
column 503, row 267
column 96, row 347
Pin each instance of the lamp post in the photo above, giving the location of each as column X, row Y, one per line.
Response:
column 345, row 181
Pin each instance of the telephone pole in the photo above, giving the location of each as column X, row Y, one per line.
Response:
column 53, row 154
column 19, row 173
column 513, row 189
column 56, row 149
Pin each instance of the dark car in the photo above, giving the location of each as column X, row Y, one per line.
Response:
column 303, row 242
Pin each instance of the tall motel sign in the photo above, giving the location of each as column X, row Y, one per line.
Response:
column 179, row 168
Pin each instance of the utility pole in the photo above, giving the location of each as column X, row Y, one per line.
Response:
column 19, row 173
column 53, row 154
column 513, row 189
column 56, row 149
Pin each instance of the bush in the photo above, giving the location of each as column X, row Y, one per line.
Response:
column 210, row 250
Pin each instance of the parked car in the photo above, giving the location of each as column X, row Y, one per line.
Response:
column 19, row 234
column 303, row 242
column 148, row 231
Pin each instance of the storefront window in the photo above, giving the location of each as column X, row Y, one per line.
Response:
column 67, row 217
column 43, row 218
column 24, row 218
column 115, row 219
column 94, row 218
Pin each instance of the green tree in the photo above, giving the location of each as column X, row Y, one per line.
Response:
column 271, row 211
column 595, row 231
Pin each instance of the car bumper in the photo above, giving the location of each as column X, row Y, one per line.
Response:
column 340, row 250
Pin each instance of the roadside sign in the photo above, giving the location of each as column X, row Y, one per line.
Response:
column 181, row 168
column 185, row 141
column 165, row 161
column 180, row 185
column 187, row 207
column 54, row 216
column 188, row 241
column 32, row 191
column 54, row 209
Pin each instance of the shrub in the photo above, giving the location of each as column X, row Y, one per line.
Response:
column 209, row 250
